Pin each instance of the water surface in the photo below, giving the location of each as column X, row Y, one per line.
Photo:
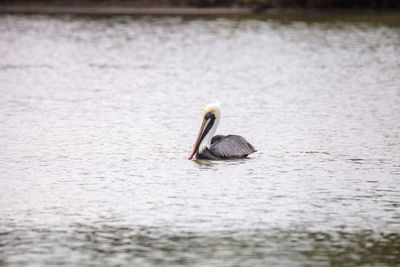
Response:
column 98, row 116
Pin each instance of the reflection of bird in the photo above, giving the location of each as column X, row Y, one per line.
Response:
column 218, row 147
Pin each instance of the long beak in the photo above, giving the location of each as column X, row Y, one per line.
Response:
column 199, row 137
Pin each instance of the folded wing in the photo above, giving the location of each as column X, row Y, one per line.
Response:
column 217, row 138
column 231, row 146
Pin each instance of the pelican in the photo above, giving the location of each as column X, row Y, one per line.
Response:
column 208, row 146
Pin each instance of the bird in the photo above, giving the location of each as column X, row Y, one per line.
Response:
column 208, row 146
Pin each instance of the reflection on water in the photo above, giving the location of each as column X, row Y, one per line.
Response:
column 98, row 116
column 114, row 245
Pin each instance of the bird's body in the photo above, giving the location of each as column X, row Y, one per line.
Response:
column 216, row 147
column 226, row 147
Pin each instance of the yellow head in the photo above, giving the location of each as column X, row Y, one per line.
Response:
column 212, row 109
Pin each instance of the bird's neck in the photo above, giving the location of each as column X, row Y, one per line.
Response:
column 206, row 143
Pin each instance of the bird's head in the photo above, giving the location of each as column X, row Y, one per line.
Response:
column 211, row 115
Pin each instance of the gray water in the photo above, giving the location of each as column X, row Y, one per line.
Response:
column 98, row 116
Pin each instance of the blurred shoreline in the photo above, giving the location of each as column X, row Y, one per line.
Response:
column 111, row 10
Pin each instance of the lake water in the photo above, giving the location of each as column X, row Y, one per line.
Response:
column 98, row 116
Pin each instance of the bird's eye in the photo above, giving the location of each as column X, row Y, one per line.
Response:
column 209, row 115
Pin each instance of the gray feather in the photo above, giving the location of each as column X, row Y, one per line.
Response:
column 231, row 146
column 217, row 138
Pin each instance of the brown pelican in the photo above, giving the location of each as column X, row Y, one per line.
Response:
column 218, row 147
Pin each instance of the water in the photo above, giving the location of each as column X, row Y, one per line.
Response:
column 98, row 116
